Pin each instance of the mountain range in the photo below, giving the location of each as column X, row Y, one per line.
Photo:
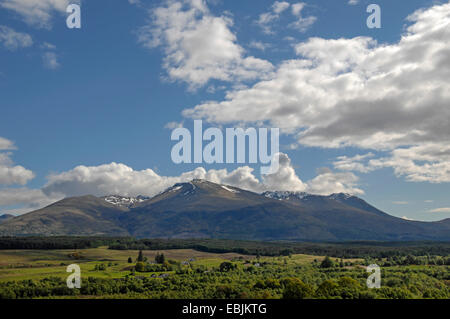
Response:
column 202, row 209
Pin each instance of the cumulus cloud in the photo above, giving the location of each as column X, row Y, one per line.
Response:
column 199, row 46
column 15, row 175
column 13, row 40
column 121, row 179
column 11, row 174
column 328, row 182
column 285, row 179
column 6, row 144
column 37, row 12
column 353, row 2
column 355, row 92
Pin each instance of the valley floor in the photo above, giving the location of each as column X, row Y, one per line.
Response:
column 187, row 273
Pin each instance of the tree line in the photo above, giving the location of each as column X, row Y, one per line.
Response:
column 335, row 249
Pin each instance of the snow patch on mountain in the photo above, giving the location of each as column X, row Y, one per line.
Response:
column 229, row 189
column 125, row 201
column 285, row 195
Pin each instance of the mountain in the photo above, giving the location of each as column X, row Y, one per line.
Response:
column 86, row 215
column 201, row 209
column 5, row 217
column 205, row 209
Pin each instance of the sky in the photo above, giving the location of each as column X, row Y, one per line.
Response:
column 361, row 110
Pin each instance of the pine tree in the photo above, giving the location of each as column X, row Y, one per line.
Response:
column 140, row 256
column 160, row 258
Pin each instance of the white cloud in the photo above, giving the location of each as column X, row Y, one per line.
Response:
column 355, row 92
column 280, row 6
column 13, row 174
column 265, row 19
column 121, row 179
column 13, row 40
column 301, row 23
column 328, row 182
column 50, row 60
column 199, row 47
column 285, row 179
column 354, row 163
column 259, row 45
column 36, row 12
column 440, row 210
column 429, row 162
column 353, row 2
column 6, row 144
column 297, row 8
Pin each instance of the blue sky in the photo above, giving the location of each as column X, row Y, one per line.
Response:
column 105, row 94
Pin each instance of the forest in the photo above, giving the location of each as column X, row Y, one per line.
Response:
column 354, row 249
